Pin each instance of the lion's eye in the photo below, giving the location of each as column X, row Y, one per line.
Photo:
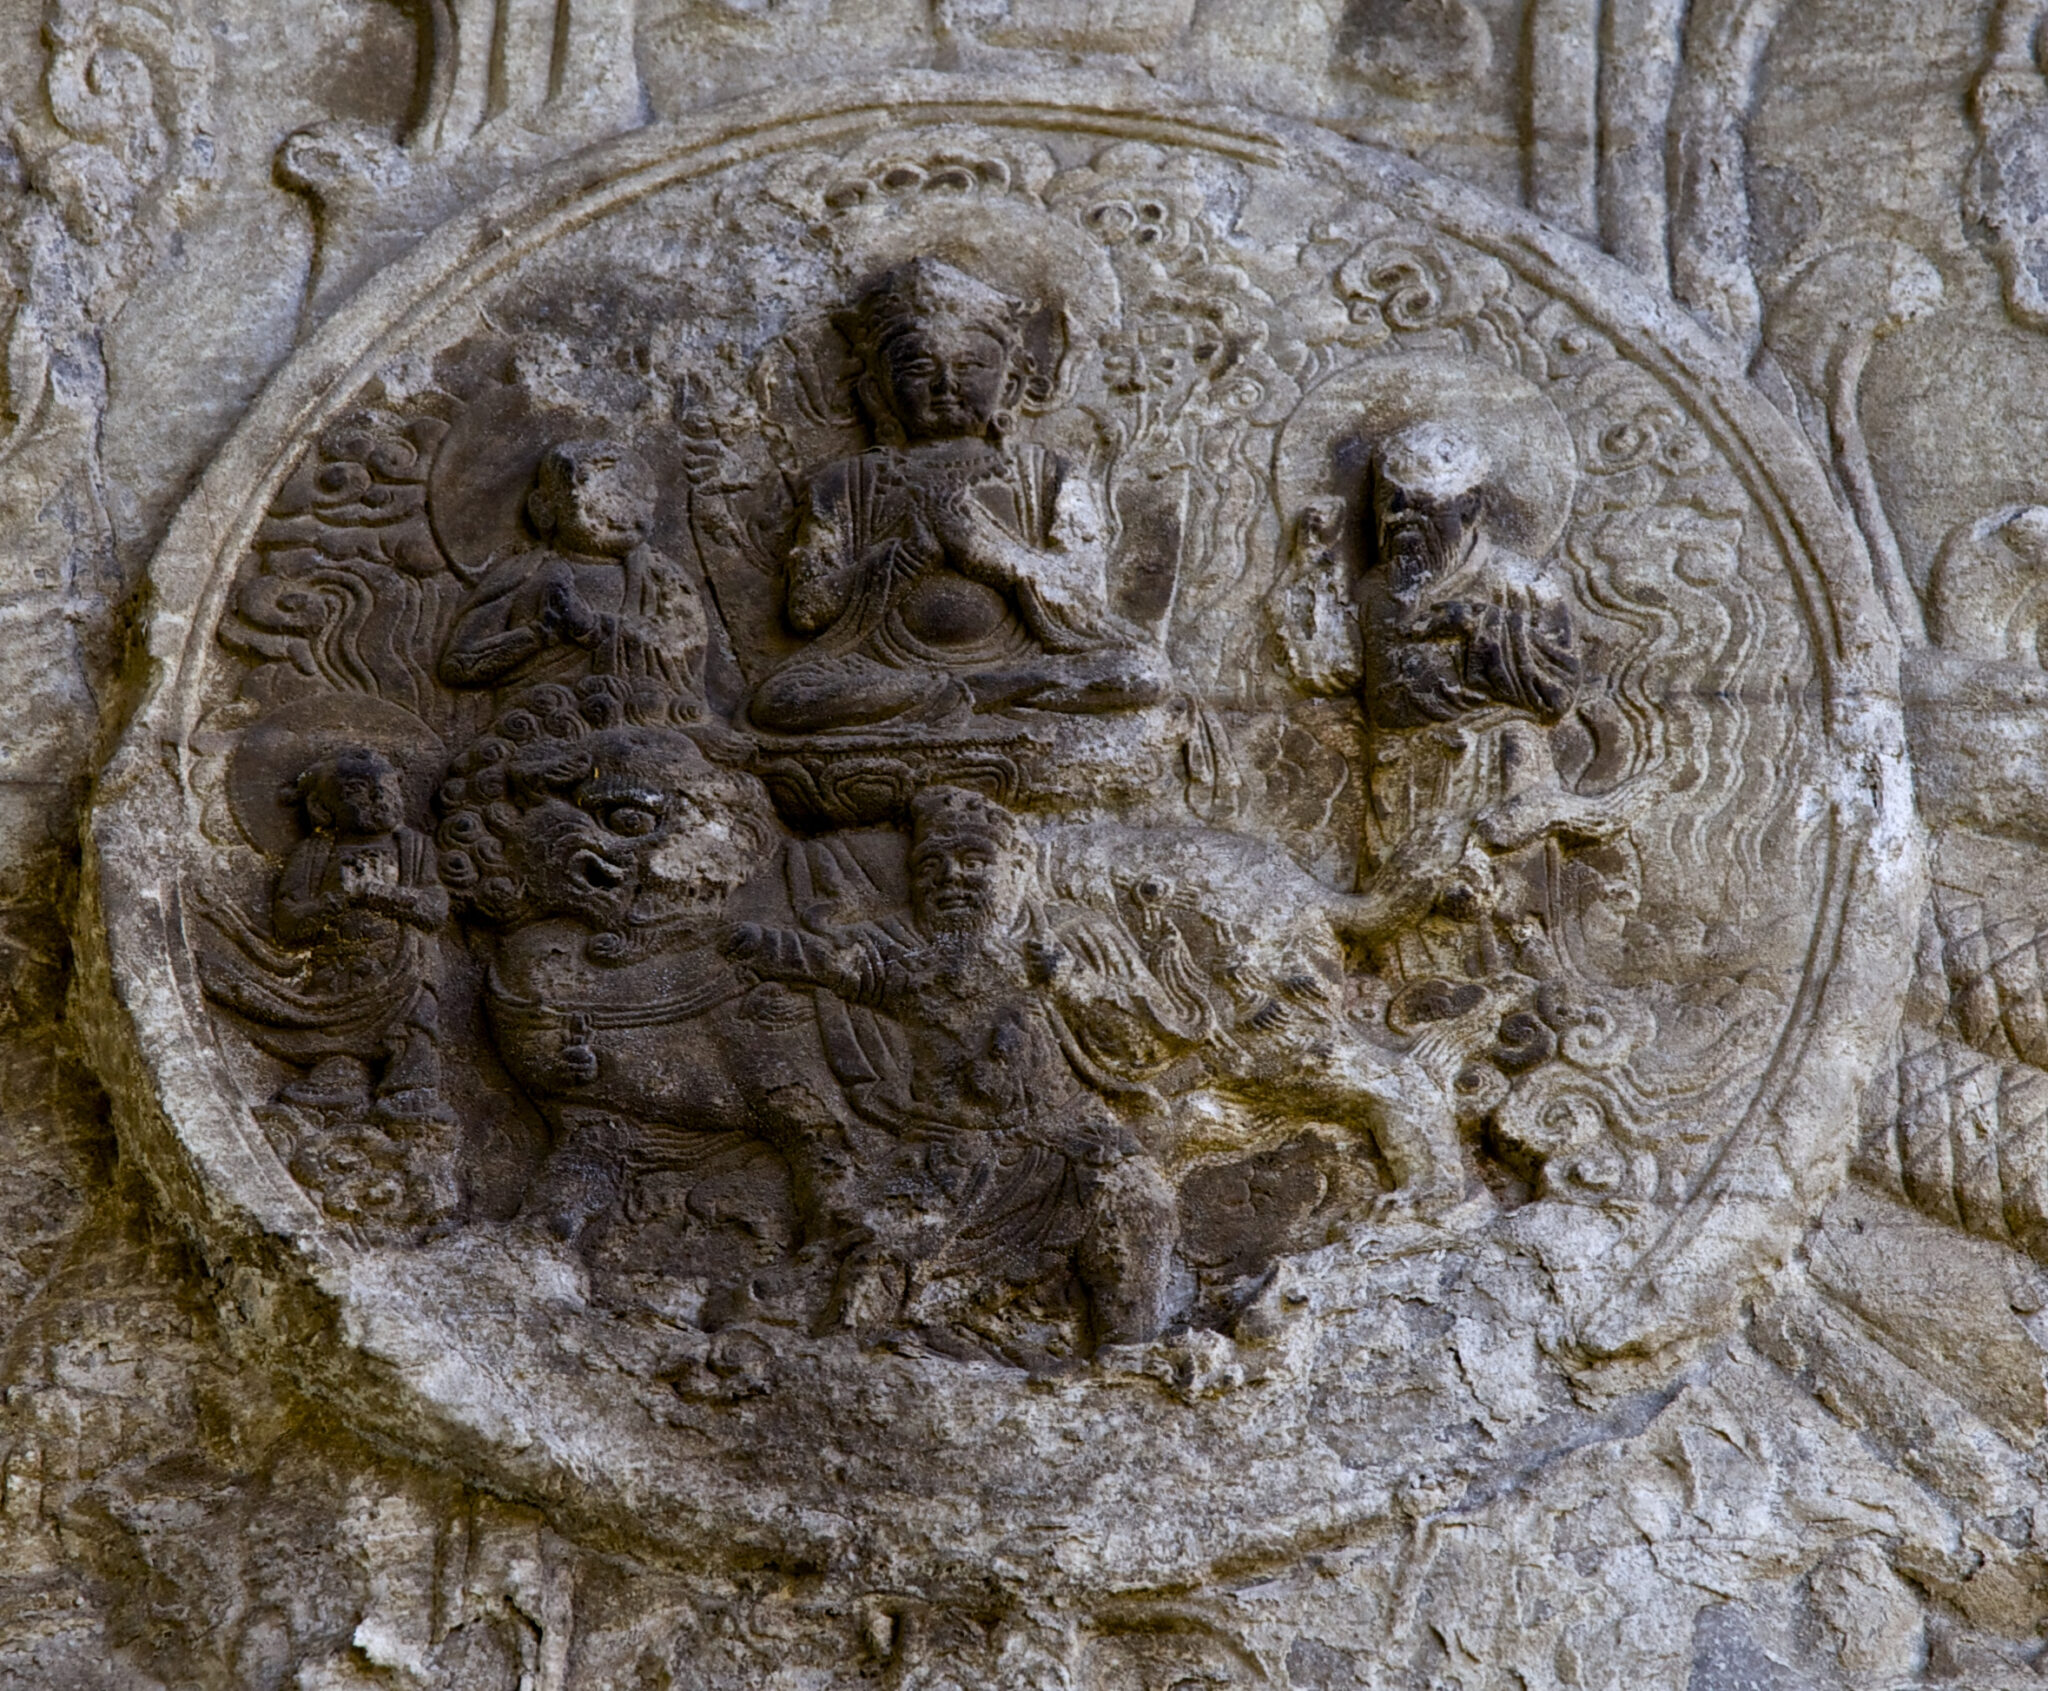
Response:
column 631, row 820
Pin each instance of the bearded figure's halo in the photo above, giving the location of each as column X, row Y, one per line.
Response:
column 1327, row 445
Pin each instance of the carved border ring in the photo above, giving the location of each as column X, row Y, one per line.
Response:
column 287, row 1278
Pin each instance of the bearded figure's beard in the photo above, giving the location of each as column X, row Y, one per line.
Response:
column 967, row 921
column 1418, row 552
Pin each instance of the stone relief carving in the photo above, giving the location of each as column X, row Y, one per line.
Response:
column 595, row 600
column 1032, row 768
column 1957, row 1132
column 1415, row 50
column 124, row 144
column 102, row 172
column 2003, row 191
column 346, row 987
column 1952, row 1129
column 1317, row 1007
column 1014, row 1162
column 1078, row 26
column 940, row 573
column 1712, row 267
column 497, row 87
column 1818, row 339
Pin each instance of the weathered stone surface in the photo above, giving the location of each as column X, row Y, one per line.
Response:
column 1023, row 844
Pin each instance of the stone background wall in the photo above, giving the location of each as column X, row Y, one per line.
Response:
column 1850, row 190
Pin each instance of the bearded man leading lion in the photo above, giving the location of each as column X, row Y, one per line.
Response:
column 651, row 989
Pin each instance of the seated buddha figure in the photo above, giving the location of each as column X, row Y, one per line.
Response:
column 947, row 570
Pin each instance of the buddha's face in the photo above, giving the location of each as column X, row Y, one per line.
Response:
column 943, row 379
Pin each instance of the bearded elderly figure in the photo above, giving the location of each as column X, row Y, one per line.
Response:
column 1464, row 653
column 1470, row 653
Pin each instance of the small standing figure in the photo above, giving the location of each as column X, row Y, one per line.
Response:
column 1015, row 1165
column 948, row 569
column 596, row 599
column 350, row 988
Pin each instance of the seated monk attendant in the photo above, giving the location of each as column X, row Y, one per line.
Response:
column 594, row 599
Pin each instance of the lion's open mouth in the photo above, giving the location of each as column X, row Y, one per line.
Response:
column 597, row 873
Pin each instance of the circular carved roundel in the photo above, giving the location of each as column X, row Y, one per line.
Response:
column 862, row 824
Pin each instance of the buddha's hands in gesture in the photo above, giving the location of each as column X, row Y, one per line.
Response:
column 974, row 544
